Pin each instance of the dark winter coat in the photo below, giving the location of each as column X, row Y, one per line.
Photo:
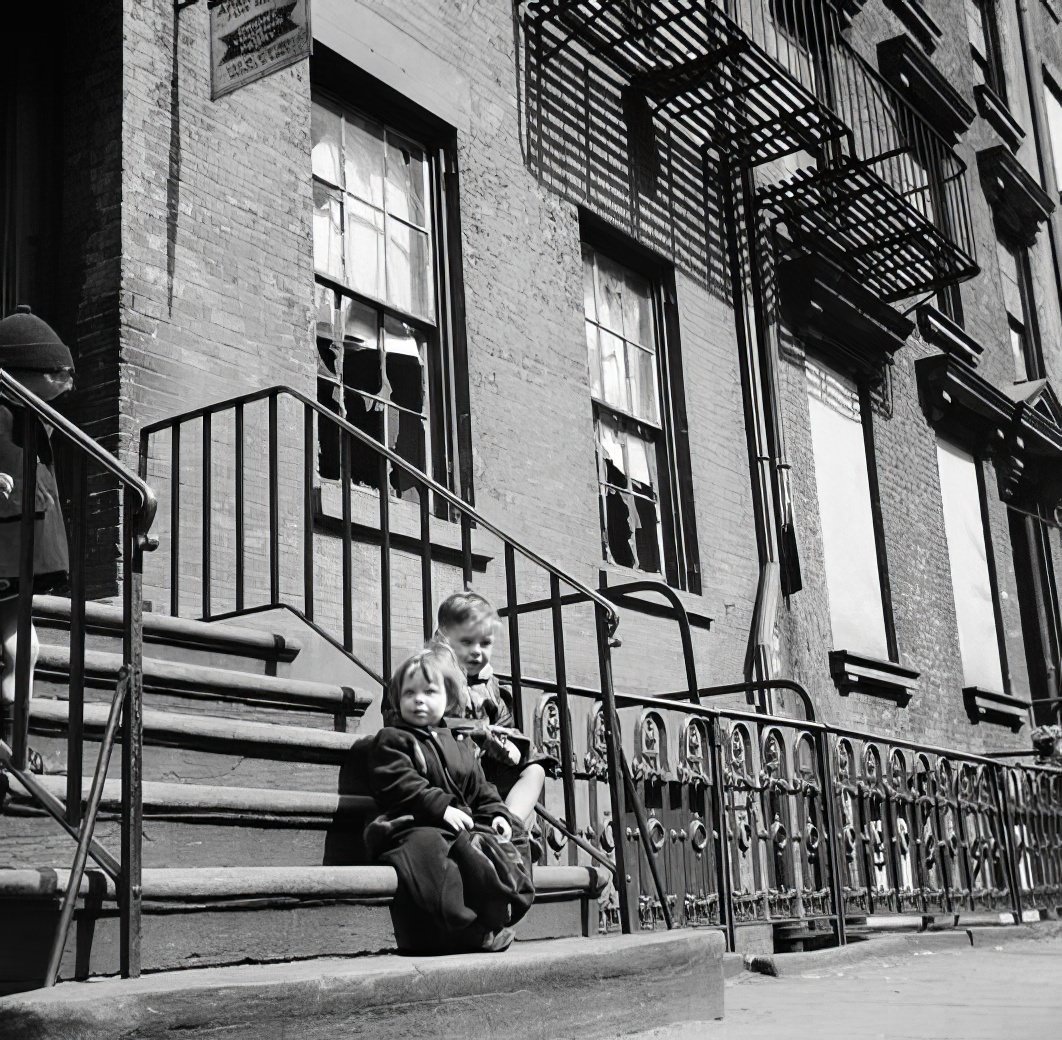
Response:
column 50, row 554
column 448, row 895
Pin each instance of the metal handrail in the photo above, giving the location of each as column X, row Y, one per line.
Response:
column 146, row 504
column 138, row 507
column 422, row 478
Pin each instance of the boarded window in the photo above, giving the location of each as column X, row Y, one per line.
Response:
column 845, row 511
column 970, row 577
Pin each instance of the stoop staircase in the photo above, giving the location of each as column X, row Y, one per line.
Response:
column 252, row 816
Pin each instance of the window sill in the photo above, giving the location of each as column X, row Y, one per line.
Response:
column 1019, row 203
column 997, row 115
column 859, row 674
column 1000, row 709
column 405, row 525
column 909, row 70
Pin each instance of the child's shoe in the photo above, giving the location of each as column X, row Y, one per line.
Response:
column 499, row 941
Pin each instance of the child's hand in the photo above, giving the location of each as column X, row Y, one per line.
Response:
column 457, row 819
column 502, row 828
column 508, row 750
column 7, row 484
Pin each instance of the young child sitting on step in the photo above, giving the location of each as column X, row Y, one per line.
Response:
column 444, row 829
column 468, row 625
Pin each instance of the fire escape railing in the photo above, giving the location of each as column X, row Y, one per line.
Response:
column 882, row 192
column 86, row 468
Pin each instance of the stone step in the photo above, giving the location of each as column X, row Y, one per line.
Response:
column 568, row 988
column 184, row 680
column 207, row 733
column 52, row 616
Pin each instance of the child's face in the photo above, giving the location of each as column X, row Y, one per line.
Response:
column 473, row 643
column 46, row 385
column 423, row 698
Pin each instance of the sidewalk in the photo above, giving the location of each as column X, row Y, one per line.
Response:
column 1003, row 987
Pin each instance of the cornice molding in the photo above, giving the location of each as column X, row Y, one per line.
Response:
column 908, row 69
column 1020, row 205
column 857, row 673
column 833, row 314
column 1000, row 708
column 938, row 330
column 917, row 22
column 997, row 115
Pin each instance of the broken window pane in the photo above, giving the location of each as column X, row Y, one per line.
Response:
column 328, row 394
column 360, row 323
column 368, row 416
column 612, row 467
column 589, row 301
column 405, row 181
column 327, row 232
column 641, row 465
column 365, row 249
column 325, row 135
column 408, row 269
column 404, row 365
column 593, row 359
column 324, row 304
column 327, row 362
column 406, row 436
column 647, row 534
column 613, row 371
column 364, row 159
column 618, row 528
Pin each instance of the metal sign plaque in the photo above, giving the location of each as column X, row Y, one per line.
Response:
column 250, row 39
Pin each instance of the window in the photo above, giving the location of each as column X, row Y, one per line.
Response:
column 1053, row 108
column 378, row 211
column 642, row 460
column 986, row 45
column 972, row 576
column 851, row 536
column 1021, row 313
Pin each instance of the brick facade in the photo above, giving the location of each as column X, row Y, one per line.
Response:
column 215, row 293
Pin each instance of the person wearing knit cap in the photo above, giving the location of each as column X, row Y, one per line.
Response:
column 32, row 354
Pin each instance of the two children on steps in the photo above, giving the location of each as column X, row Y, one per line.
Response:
column 458, row 789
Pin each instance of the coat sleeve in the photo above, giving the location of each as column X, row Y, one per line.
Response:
column 11, row 464
column 396, row 783
column 503, row 700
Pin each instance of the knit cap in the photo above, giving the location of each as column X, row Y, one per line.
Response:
column 29, row 343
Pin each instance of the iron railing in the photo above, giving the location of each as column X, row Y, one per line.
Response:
column 84, row 464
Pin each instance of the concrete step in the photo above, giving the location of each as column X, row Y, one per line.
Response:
column 223, row 915
column 184, row 680
column 585, row 988
column 221, row 640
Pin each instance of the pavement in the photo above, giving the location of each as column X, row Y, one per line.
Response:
column 989, row 984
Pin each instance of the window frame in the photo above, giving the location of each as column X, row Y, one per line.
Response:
column 881, row 558
column 680, row 561
column 1052, row 93
column 448, row 435
column 1025, row 325
column 992, row 63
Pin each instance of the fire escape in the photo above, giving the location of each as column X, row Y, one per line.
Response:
column 877, row 189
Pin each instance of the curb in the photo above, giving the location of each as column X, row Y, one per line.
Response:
column 779, row 965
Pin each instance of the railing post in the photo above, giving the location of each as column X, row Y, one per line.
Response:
column 625, row 885
column 822, row 753
column 274, row 504
column 130, row 888
column 560, row 666
column 718, row 832
column 999, row 775
column 24, row 626
column 76, row 697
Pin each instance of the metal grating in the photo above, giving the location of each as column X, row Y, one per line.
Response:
column 853, row 215
column 747, row 89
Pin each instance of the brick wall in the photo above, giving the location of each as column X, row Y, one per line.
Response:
column 215, row 299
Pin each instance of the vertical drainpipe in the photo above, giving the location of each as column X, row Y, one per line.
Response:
column 760, row 406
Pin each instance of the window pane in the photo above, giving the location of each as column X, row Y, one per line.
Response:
column 405, row 181
column 613, row 371
column 647, row 535
column 324, row 305
column 612, row 468
column 1008, row 272
column 643, row 384
column 365, row 249
column 589, row 302
column 328, row 364
column 405, row 365
column 409, row 285
column 406, row 436
column 361, row 363
column 618, row 526
column 594, row 360
column 641, row 465
column 637, row 310
column 367, row 416
column 961, row 499
column 610, row 279
column 325, row 136
column 1054, row 126
column 1017, row 349
column 849, row 549
column 327, row 232
column 359, row 323
column 364, row 159
column 328, row 461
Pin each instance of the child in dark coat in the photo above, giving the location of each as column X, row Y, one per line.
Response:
column 33, row 354
column 444, row 827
